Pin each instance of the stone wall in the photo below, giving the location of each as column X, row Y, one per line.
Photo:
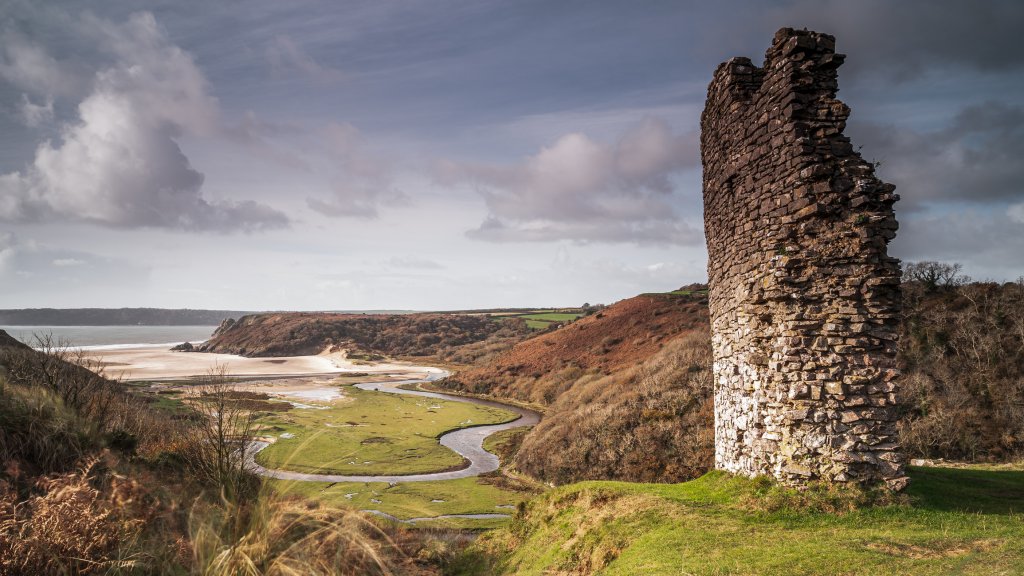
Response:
column 804, row 298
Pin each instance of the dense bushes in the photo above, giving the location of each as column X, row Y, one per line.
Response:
column 651, row 422
column 962, row 350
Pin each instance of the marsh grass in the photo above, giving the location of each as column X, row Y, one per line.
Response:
column 375, row 433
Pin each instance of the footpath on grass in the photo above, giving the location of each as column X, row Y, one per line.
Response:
column 467, row 442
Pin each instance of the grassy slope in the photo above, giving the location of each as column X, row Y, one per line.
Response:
column 374, row 433
column 407, row 500
column 962, row 521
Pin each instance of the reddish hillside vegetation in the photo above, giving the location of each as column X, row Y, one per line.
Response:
column 623, row 335
column 628, row 392
column 299, row 333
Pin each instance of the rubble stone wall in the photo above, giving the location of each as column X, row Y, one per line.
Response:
column 804, row 298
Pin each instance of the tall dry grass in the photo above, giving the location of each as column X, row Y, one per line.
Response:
column 274, row 535
column 76, row 523
column 651, row 422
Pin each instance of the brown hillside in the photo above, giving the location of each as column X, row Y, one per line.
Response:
column 627, row 390
column 299, row 333
column 623, row 335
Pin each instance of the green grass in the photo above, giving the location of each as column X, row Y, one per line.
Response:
column 537, row 324
column 505, row 443
column 407, row 500
column 372, row 433
column 552, row 316
column 542, row 320
column 960, row 522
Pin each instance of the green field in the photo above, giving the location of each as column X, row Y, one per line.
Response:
column 541, row 320
column 371, row 433
column 552, row 316
column 406, row 500
column 957, row 521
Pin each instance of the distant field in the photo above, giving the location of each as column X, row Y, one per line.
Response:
column 552, row 316
column 371, row 433
column 542, row 319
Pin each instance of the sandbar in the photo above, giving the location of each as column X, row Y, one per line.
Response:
column 159, row 363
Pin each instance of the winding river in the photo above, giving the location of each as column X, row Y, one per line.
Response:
column 467, row 442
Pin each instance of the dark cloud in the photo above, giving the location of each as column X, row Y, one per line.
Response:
column 583, row 190
column 976, row 158
column 990, row 244
column 900, row 40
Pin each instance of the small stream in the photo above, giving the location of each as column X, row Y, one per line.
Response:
column 467, row 442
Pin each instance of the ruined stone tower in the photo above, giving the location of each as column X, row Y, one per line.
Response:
column 804, row 298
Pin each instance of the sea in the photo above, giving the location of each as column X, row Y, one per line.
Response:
column 112, row 337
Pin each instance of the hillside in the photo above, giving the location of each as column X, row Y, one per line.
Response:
column 114, row 317
column 951, row 521
column 540, row 369
column 98, row 478
column 299, row 333
column 627, row 391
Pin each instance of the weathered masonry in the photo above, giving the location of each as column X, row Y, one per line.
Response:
column 804, row 298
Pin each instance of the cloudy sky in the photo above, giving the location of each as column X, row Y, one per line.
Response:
column 454, row 154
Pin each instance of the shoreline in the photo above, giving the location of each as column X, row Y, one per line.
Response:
column 158, row 363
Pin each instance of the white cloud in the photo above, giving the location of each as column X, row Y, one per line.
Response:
column 119, row 163
column 412, row 262
column 584, row 190
column 65, row 262
column 30, row 68
column 284, row 56
column 363, row 179
column 1016, row 213
column 8, row 245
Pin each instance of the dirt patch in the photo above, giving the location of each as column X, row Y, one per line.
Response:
column 939, row 550
column 376, row 440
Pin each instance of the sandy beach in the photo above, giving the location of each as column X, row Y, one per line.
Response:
column 156, row 362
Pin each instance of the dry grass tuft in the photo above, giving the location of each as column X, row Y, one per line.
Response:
column 80, row 523
column 279, row 536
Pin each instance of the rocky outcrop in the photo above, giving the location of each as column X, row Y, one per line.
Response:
column 804, row 298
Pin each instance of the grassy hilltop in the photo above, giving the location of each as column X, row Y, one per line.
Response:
column 952, row 521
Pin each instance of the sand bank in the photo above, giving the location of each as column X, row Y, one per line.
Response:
column 156, row 362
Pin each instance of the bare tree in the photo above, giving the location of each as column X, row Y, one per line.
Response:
column 934, row 275
column 223, row 436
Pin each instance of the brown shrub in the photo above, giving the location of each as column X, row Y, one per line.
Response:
column 77, row 525
column 652, row 422
column 962, row 351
